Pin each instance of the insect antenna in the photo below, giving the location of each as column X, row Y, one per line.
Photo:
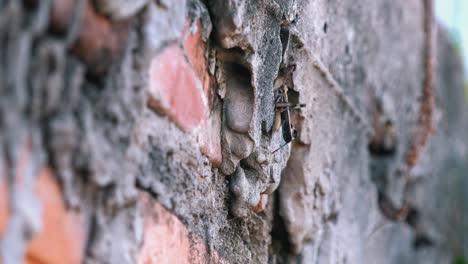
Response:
column 282, row 146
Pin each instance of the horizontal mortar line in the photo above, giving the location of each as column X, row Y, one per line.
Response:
column 318, row 64
column 340, row 93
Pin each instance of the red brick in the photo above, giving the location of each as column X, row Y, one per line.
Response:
column 195, row 49
column 62, row 229
column 174, row 89
column 3, row 204
column 176, row 77
column 61, row 15
column 99, row 42
column 167, row 239
column 261, row 205
column 209, row 139
column 61, row 239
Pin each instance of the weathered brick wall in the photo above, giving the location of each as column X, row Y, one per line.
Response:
column 144, row 131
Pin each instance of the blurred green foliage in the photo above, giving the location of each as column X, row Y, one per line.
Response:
column 456, row 40
column 459, row 260
column 466, row 92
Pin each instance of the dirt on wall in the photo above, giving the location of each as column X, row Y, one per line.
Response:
column 150, row 132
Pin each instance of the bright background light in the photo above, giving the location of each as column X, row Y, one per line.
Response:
column 453, row 14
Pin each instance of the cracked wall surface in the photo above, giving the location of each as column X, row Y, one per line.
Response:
column 158, row 132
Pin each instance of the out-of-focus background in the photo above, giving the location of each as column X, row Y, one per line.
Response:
column 453, row 14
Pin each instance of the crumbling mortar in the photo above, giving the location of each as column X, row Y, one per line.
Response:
column 63, row 121
column 21, row 144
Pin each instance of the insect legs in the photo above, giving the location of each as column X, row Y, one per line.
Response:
column 283, row 116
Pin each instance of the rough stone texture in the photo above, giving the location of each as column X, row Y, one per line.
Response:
column 157, row 120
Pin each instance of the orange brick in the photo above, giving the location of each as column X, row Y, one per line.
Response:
column 3, row 205
column 99, row 42
column 209, row 139
column 167, row 240
column 195, row 49
column 61, row 239
column 61, row 15
column 261, row 205
column 175, row 91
